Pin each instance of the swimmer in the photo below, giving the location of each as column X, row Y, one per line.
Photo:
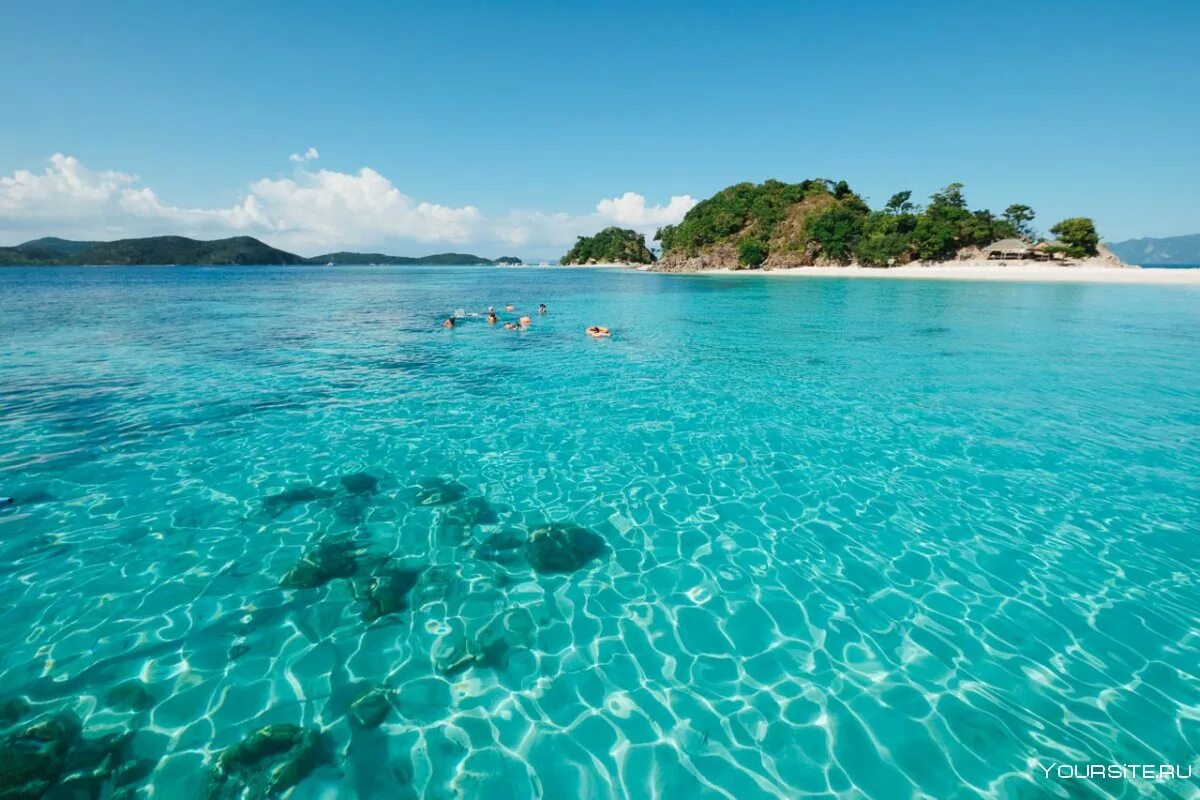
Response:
column 524, row 322
column 508, row 307
column 542, row 308
column 508, row 326
column 492, row 318
column 597, row 331
column 449, row 323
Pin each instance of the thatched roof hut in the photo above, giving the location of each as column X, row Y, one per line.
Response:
column 1008, row 249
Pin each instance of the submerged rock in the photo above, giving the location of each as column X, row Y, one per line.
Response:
column 562, row 548
column 238, row 650
column 33, row 760
column 276, row 504
column 387, row 592
column 12, row 710
column 331, row 558
column 130, row 696
column 371, row 707
column 478, row 511
column 266, row 763
column 504, row 547
column 437, row 492
column 360, row 483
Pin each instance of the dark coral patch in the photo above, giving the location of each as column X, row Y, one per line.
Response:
column 130, row 696
column 437, row 492
column 266, row 763
column 276, row 504
column 360, row 483
column 371, row 707
column 331, row 558
column 558, row 547
column 387, row 592
column 504, row 547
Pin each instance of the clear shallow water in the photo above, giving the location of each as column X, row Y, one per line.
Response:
column 863, row 539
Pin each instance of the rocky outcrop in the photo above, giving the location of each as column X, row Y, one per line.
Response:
column 266, row 763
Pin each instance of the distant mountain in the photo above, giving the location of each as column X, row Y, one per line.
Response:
column 380, row 258
column 154, row 250
column 165, row 250
column 1167, row 250
column 52, row 244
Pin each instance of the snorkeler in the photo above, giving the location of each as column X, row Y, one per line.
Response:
column 542, row 308
column 449, row 323
column 597, row 331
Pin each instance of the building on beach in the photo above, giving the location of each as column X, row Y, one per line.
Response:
column 1009, row 250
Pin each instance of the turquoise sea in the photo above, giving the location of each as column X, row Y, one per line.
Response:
column 773, row 538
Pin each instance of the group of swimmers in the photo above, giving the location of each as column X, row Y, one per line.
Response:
column 523, row 322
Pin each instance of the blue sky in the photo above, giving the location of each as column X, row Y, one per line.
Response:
column 512, row 122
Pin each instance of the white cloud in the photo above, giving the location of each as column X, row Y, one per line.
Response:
column 631, row 209
column 310, row 154
column 312, row 211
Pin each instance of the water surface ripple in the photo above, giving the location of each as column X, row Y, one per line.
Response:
column 792, row 538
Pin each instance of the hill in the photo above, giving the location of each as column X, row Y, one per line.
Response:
column 52, row 244
column 1165, row 250
column 165, row 250
column 610, row 246
column 181, row 250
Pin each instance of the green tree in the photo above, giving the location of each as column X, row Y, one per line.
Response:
column 836, row 230
column 950, row 197
column 899, row 203
column 752, row 251
column 1079, row 235
column 1021, row 218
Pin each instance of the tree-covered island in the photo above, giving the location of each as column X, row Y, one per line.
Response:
column 610, row 246
column 823, row 222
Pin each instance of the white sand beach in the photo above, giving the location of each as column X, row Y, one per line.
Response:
column 987, row 271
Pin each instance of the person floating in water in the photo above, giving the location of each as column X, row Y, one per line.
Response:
column 524, row 322
column 492, row 318
column 508, row 326
column 449, row 323
column 597, row 331
column 542, row 308
column 508, row 307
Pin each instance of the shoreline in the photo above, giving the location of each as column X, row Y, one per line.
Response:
column 1035, row 273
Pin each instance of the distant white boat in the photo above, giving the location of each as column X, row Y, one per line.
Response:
column 543, row 264
column 330, row 264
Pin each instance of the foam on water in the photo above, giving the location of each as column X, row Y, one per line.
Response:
column 821, row 537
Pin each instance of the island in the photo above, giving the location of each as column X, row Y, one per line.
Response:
column 443, row 259
column 610, row 246
column 172, row 250
column 823, row 223
column 508, row 261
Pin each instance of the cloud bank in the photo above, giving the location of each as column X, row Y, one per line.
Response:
column 311, row 211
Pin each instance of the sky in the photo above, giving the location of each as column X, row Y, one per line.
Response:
column 511, row 128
